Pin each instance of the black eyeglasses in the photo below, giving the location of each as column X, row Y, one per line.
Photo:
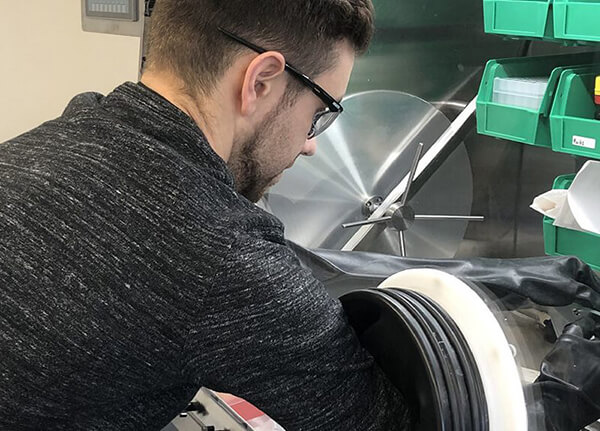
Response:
column 322, row 119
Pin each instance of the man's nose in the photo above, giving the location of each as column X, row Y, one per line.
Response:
column 310, row 147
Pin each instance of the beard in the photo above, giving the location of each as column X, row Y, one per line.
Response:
column 247, row 164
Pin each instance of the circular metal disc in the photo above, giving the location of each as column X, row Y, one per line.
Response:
column 366, row 153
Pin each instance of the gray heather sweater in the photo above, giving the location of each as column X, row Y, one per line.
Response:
column 131, row 274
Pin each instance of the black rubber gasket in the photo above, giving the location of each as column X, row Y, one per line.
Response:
column 479, row 411
column 403, row 350
column 424, row 353
column 452, row 368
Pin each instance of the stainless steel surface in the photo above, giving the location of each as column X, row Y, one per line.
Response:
column 417, row 217
column 393, row 208
column 433, row 154
column 507, row 176
column 365, row 154
column 402, row 216
column 411, row 175
column 371, row 205
column 366, row 222
column 448, row 217
column 402, row 242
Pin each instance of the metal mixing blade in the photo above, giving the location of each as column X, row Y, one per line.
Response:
column 401, row 216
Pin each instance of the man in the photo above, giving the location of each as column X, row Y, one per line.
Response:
column 134, row 266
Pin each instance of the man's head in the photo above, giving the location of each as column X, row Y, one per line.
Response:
column 255, row 112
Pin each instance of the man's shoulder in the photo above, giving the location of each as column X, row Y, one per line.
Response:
column 81, row 103
column 251, row 224
column 82, row 121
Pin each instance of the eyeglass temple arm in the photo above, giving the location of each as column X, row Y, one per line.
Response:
column 316, row 88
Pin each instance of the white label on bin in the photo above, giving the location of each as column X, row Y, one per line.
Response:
column 580, row 141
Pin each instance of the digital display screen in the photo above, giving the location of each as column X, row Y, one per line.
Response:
column 112, row 9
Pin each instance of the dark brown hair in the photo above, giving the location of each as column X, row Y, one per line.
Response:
column 185, row 40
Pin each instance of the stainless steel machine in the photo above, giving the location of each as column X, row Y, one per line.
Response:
column 368, row 188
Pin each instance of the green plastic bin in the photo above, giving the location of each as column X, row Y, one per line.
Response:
column 523, row 18
column 519, row 124
column 560, row 241
column 577, row 20
column 572, row 125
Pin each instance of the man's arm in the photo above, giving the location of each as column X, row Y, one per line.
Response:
column 271, row 334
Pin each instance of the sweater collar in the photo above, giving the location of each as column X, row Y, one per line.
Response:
column 152, row 114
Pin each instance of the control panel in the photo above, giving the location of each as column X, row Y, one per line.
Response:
column 121, row 17
column 112, row 9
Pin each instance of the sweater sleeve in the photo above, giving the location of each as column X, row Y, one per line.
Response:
column 271, row 334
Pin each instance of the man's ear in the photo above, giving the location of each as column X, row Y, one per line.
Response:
column 261, row 79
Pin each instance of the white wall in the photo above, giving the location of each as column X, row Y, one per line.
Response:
column 46, row 59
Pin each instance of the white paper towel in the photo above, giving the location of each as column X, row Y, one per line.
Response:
column 584, row 197
column 578, row 207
